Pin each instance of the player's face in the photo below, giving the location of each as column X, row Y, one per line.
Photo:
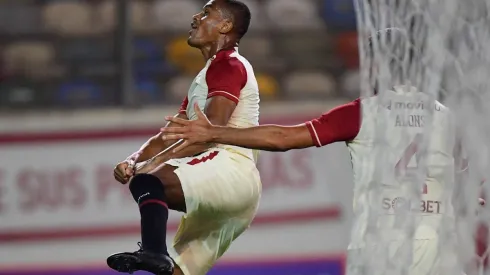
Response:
column 206, row 26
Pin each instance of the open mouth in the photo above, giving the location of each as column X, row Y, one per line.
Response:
column 193, row 27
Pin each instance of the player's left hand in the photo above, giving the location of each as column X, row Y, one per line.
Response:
column 124, row 171
column 197, row 131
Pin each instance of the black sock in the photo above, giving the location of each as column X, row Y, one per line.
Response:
column 149, row 192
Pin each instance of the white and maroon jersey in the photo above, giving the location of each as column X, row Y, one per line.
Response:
column 405, row 114
column 230, row 75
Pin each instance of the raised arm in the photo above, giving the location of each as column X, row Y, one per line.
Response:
column 340, row 124
column 264, row 137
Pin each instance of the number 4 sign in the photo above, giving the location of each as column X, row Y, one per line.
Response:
column 411, row 151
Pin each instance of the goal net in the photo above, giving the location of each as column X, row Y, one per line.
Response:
column 421, row 59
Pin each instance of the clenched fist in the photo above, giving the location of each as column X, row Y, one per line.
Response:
column 124, row 171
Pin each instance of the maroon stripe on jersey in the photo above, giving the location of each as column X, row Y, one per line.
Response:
column 313, row 133
column 183, row 106
column 203, row 159
column 224, row 94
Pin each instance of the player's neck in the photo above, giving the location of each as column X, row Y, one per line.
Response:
column 211, row 50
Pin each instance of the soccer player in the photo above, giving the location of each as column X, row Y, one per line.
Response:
column 217, row 186
column 406, row 112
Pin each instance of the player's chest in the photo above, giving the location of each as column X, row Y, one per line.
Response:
column 197, row 93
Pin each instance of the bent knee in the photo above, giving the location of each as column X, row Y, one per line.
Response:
column 173, row 187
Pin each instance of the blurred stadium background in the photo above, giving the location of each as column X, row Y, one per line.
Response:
column 68, row 54
column 84, row 83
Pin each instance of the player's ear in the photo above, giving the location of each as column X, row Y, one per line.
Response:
column 226, row 26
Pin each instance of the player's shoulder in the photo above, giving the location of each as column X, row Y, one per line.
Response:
column 354, row 103
column 442, row 114
column 366, row 102
column 228, row 62
column 353, row 106
column 232, row 60
column 228, row 58
column 441, row 107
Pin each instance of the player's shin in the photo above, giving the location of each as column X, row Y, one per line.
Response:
column 149, row 192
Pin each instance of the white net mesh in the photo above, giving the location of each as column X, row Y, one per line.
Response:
column 415, row 53
column 467, row 93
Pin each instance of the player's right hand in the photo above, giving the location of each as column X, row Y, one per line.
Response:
column 197, row 131
column 123, row 172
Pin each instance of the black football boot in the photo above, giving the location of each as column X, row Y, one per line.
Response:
column 129, row 262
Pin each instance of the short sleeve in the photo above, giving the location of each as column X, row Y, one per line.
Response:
column 339, row 124
column 183, row 106
column 226, row 77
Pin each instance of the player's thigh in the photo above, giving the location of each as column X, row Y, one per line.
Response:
column 425, row 258
column 430, row 258
column 201, row 241
column 173, row 187
column 219, row 182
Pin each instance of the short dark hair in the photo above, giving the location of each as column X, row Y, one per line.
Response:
column 240, row 15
